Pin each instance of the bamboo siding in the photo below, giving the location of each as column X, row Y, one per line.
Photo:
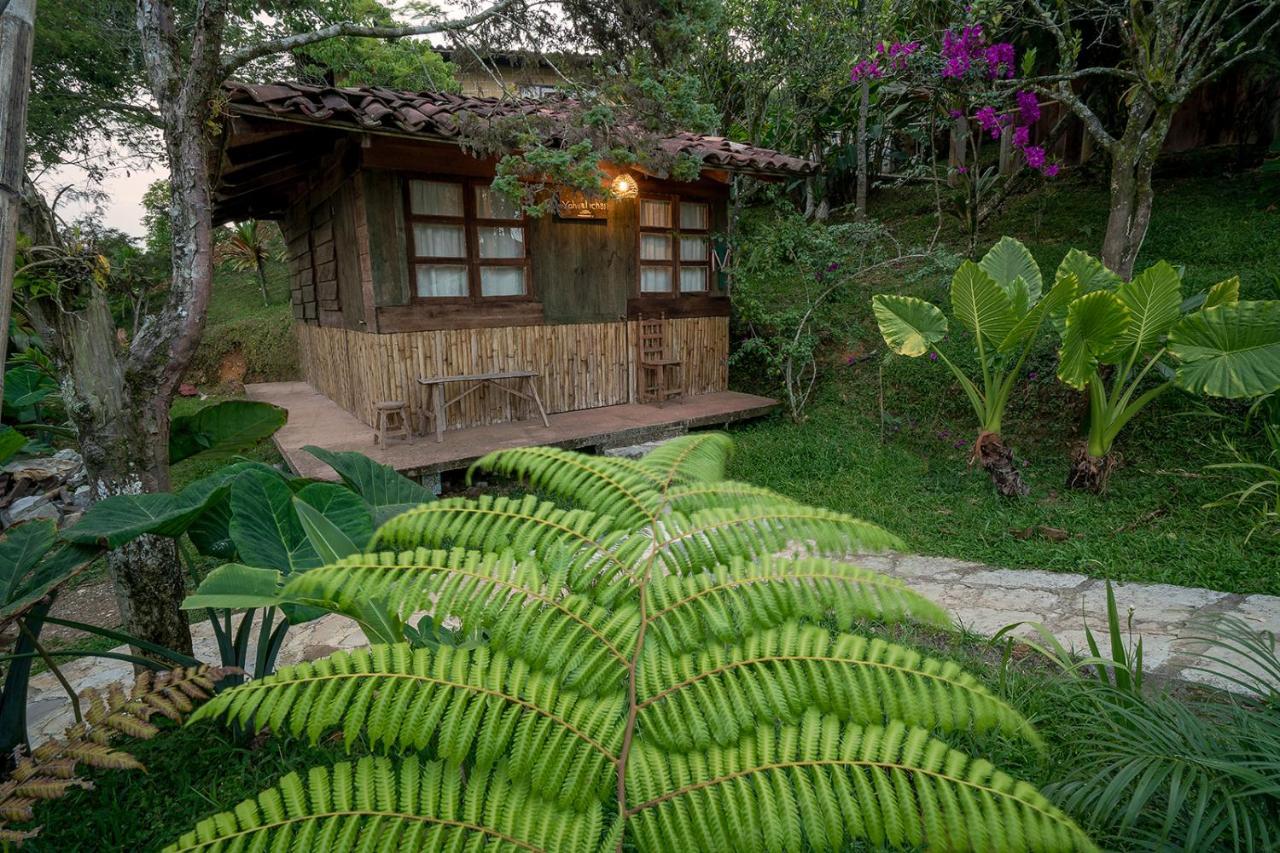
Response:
column 580, row 366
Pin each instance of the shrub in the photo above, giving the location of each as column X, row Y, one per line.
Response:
column 654, row 671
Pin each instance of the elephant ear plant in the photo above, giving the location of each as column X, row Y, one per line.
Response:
column 656, row 677
column 1126, row 345
column 1001, row 300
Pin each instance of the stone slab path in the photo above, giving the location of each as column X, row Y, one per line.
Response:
column 982, row 599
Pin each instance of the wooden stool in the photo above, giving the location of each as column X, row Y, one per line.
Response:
column 392, row 421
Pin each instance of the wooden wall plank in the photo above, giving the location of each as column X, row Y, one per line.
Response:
column 580, row 366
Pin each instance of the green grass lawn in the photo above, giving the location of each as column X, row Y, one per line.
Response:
column 906, row 466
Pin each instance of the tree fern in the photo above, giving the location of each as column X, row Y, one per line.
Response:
column 658, row 672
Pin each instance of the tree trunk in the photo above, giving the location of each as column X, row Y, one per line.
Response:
column 16, row 27
column 124, row 438
column 959, row 151
column 1132, row 159
column 262, row 282
column 864, row 104
column 997, row 460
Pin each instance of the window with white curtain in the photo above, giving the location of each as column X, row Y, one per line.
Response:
column 675, row 245
column 467, row 241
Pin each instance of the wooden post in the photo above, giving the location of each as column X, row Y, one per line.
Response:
column 17, row 25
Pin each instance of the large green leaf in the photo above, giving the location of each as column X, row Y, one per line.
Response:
column 981, row 305
column 1094, row 325
column 1089, row 272
column 910, row 326
column 24, row 386
column 264, row 526
column 20, row 549
column 1006, row 262
column 32, row 563
column 223, row 428
column 1054, row 303
column 1230, row 350
column 11, row 441
column 210, row 533
column 117, row 519
column 1223, row 293
column 1154, row 300
column 378, row 484
column 236, row 586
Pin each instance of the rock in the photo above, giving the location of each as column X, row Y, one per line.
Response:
column 80, row 497
column 633, row 451
column 32, row 507
column 70, row 519
column 186, row 389
column 61, row 466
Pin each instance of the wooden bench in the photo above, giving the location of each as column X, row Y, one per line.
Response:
column 437, row 402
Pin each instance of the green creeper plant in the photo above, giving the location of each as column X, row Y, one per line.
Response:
column 1130, row 342
column 1001, row 300
column 674, row 661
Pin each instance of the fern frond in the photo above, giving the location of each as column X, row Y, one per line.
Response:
column 733, row 600
column 604, row 485
column 378, row 804
column 697, row 457
column 710, row 537
column 714, row 696
column 595, row 555
column 51, row 769
column 458, row 702
column 528, row 612
column 825, row 783
column 727, row 493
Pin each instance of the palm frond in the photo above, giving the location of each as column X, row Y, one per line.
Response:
column 727, row 493
column 698, row 457
column 716, row 695
column 528, row 613
column 460, row 703
column 731, row 601
column 711, row 537
column 589, row 548
column 824, row 783
column 604, row 485
column 377, row 804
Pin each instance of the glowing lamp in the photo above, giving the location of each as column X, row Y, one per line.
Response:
column 624, row 186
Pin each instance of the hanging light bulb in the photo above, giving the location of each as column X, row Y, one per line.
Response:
column 624, row 186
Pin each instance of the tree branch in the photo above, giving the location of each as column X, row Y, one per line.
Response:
column 1062, row 93
column 239, row 58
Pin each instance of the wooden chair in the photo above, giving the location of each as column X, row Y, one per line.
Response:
column 659, row 375
column 392, row 421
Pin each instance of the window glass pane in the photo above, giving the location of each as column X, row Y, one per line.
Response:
column 693, row 279
column 693, row 216
column 502, row 281
column 440, row 280
column 433, row 240
column 655, row 213
column 655, row 279
column 655, row 247
column 491, row 204
column 501, row 241
column 693, row 249
column 435, row 198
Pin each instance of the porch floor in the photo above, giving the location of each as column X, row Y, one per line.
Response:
column 317, row 420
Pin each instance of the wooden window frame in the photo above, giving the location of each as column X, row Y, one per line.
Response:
column 471, row 236
column 673, row 232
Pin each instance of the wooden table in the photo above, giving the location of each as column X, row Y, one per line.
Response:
column 437, row 403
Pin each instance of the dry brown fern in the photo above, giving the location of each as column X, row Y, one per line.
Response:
column 50, row 770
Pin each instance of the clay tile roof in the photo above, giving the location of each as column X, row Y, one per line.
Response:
column 437, row 114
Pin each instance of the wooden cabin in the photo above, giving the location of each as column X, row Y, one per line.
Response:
column 406, row 264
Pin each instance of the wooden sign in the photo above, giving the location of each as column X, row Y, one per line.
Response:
column 573, row 204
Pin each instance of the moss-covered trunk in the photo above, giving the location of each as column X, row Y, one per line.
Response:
column 1133, row 158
